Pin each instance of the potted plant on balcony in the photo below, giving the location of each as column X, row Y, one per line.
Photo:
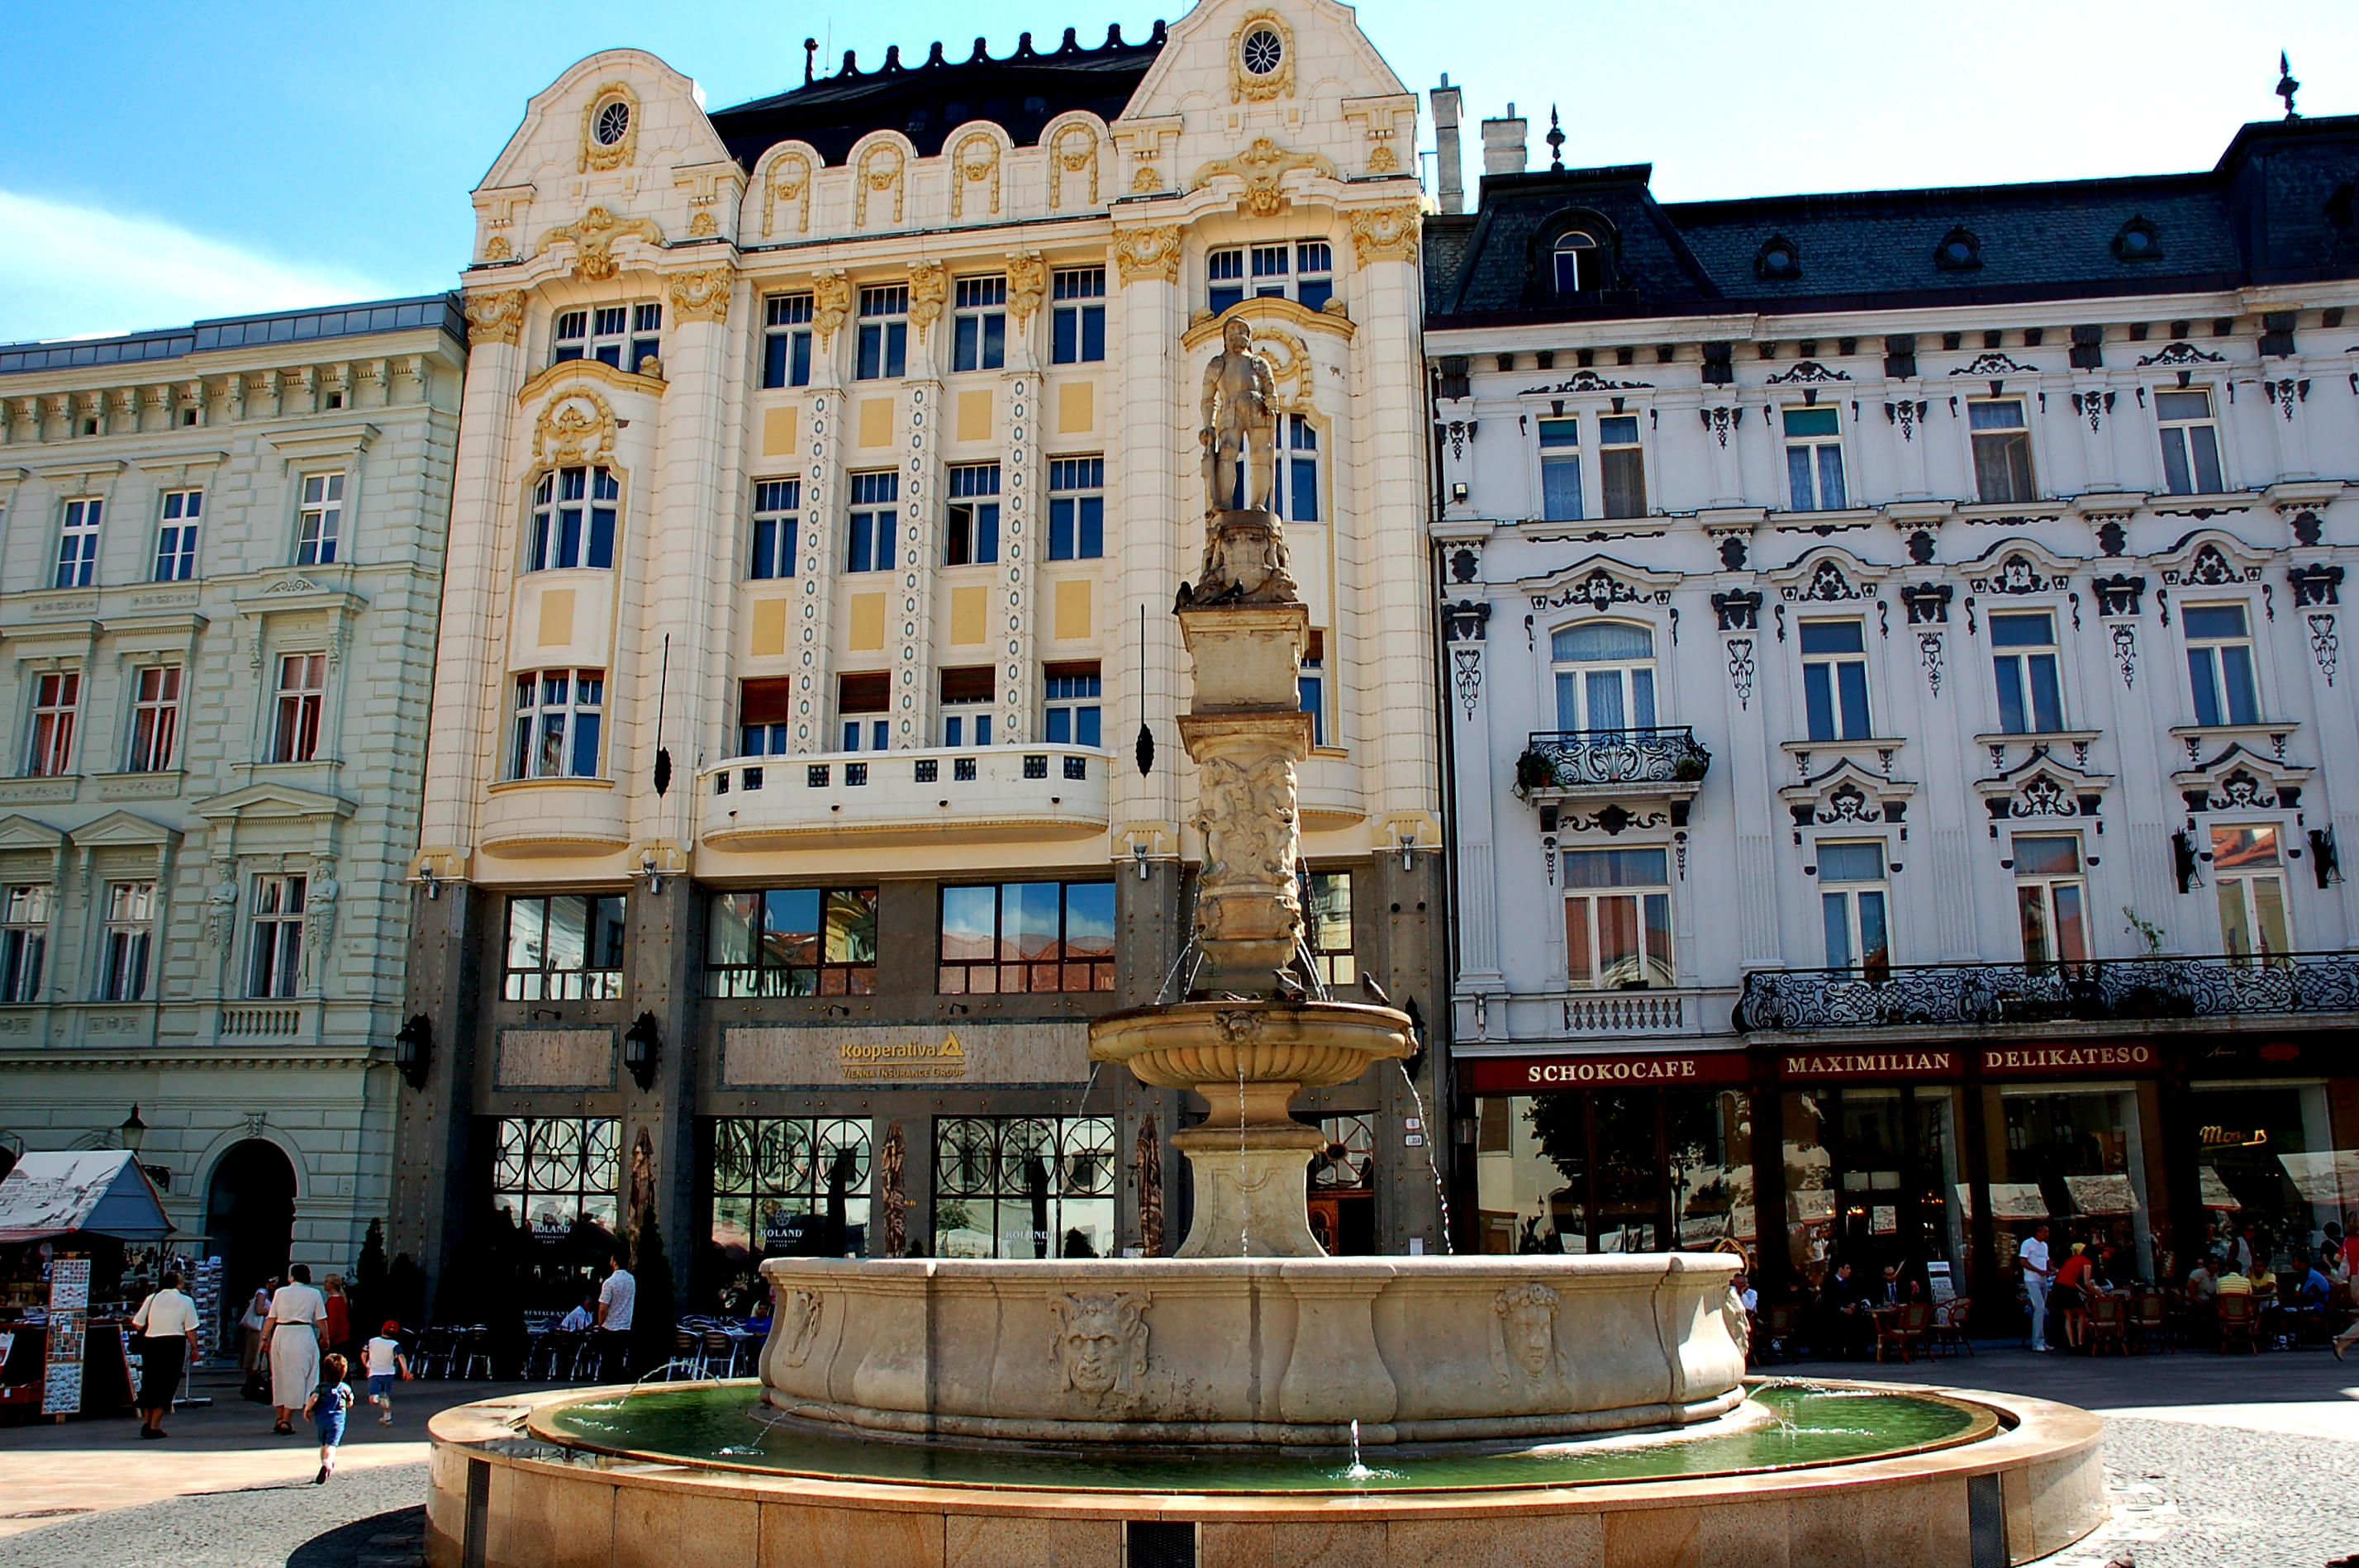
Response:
column 1691, row 764
column 1534, row 770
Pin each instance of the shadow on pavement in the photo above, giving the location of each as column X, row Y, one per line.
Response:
column 392, row 1540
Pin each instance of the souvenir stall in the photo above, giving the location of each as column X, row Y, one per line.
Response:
column 65, row 1218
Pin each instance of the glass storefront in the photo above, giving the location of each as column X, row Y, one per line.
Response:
column 2076, row 1158
column 1872, row 1178
column 1614, row 1170
column 1025, row 1186
column 2269, row 1163
column 557, row 1179
column 788, row 1186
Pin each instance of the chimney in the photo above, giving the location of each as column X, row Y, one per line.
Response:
column 1503, row 144
column 1450, row 176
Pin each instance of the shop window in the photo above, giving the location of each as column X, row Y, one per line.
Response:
column 176, row 536
column 1629, row 1170
column 1071, row 715
column 971, row 530
column 978, row 323
column 623, row 336
column 777, row 516
column 1604, row 676
column 776, row 942
column 558, row 716
column 24, row 940
column 275, row 937
column 1622, row 465
column 78, row 543
column 564, row 947
column 868, row 538
column 2272, row 1175
column 1026, row 937
column 155, row 719
column 1814, row 465
column 573, row 512
column 1077, row 316
column 764, row 708
column 2249, row 875
column 1617, row 919
column 1835, row 679
column 2075, row 1159
column 787, row 340
column 2024, row 660
column 2190, row 442
column 1852, row 905
column 125, row 942
column 1025, row 1186
column 1872, row 1178
column 2051, row 899
column 2220, row 666
column 1327, row 928
column 777, row 1184
column 1560, row 471
column 967, row 694
column 1342, row 1187
column 57, row 704
column 860, row 700
column 555, row 1173
column 2002, row 450
column 882, row 350
column 319, row 522
column 1076, row 509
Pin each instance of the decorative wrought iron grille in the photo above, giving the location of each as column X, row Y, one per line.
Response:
column 1587, row 759
column 2096, row 989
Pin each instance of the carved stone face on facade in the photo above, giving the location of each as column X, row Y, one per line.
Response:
column 1100, row 1343
column 1525, row 1336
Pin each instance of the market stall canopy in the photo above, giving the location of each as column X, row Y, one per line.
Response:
column 102, row 1192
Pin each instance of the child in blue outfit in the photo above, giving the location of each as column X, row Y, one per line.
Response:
column 326, row 1409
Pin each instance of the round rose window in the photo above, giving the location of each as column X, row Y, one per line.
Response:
column 613, row 124
column 1262, row 51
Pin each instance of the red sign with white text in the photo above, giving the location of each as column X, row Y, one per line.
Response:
column 1549, row 1075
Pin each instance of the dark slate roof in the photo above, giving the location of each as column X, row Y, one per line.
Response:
column 2278, row 207
column 440, row 310
column 926, row 103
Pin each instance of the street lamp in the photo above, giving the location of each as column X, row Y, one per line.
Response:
column 134, row 1130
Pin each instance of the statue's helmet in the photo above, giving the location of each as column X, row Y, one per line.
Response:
column 1236, row 335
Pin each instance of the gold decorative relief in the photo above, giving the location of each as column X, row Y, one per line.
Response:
column 1290, row 364
column 929, row 285
column 1027, row 284
column 1381, row 159
column 610, row 127
column 1261, row 167
column 704, row 226
column 497, row 248
column 593, row 236
column 702, row 296
column 830, row 304
column 1258, row 71
column 881, row 169
column 1141, row 254
column 1147, row 181
column 494, row 318
column 974, row 161
column 1383, row 233
column 1074, row 149
column 790, row 180
column 577, row 427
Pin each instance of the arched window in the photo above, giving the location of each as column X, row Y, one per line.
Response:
column 1580, row 265
column 1604, row 676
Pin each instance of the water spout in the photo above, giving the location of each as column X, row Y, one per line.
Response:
column 1440, row 1196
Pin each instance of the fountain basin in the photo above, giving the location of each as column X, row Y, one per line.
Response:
column 1270, row 1050
column 1244, row 1352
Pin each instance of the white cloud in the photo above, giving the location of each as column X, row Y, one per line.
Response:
column 68, row 271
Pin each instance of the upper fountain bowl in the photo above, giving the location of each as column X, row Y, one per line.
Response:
column 1203, row 1045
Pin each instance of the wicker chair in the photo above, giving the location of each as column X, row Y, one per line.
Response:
column 2108, row 1324
column 2150, row 1323
column 2238, row 1319
column 1947, row 1331
column 1904, row 1330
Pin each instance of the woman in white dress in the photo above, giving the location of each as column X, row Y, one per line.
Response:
column 299, row 1317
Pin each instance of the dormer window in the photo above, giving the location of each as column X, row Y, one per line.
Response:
column 1777, row 258
column 2137, row 241
column 1580, row 265
column 1959, row 251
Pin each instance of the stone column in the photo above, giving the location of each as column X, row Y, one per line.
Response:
column 435, row 1122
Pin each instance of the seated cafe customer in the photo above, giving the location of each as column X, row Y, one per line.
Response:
column 1841, row 1324
column 2203, row 1284
column 2233, row 1283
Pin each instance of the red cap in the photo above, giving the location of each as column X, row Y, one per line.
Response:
column 391, row 1327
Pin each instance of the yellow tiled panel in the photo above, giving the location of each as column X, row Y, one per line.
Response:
column 778, row 427
column 876, row 421
column 557, row 618
column 974, row 416
column 968, row 608
column 769, row 627
column 867, row 628
column 1076, row 408
column 1073, row 620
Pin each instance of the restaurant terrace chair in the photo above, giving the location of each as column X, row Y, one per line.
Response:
column 1776, row 1340
column 687, row 1356
column 2149, row 1327
column 2108, row 1322
column 2238, row 1319
column 474, row 1351
column 1948, row 1327
column 435, row 1350
column 1904, row 1328
column 720, row 1358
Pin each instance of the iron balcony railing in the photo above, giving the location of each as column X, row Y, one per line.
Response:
column 1594, row 759
column 2091, row 991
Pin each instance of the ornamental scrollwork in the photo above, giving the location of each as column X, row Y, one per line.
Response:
column 2325, row 647
column 880, row 169
column 1740, row 670
column 2241, row 791
column 975, row 161
column 1994, row 364
column 2125, row 653
column 1827, row 585
column 1601, row 589
column 1929, row 654
column 1261, row 166
column 1383, row 233
column 1587, row 759
column 1907, row 415
column 702, row 296
column 1719, row 422
column 2210, row 568
column 2316, row 585
column 1847, row 803
column 1928, row 603
column 2094, row 407
column 577, row 426
column 1587, row 380
column 1807, row 372
column 593, row 236
column 2284, row 391
column 2118, row 595
column 790, row 180
column 2095, row 989
column 1468, row 664
column 494, row 318
column 2016, row 574
column 2180, row 355
column 1739, row 611
column 1152, row 255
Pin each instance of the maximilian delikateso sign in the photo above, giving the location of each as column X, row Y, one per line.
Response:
column 974, row 1051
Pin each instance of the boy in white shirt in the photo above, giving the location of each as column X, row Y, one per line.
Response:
column 383, row 1359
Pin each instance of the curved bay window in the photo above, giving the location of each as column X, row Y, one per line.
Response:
column 573, row 518
column 1616, row 1171
column 1604, row 676
column 1025, row 1186
column 791, row 1186
column 780, row 942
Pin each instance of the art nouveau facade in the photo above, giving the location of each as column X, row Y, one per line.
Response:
column 1900, row 739
column 828, row 470
column 221, row 551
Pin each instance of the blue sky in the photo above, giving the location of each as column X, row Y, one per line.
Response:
column 160, row 164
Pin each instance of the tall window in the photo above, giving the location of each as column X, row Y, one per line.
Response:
column 2002, row 449
column 874, row 513
column 557, row 716
column 884, row 341
column 130, row 928
column 1617, row 919
column 787, row 340
column 1560, row 471
column 24, row 941
column 302, row 689
column 1311, row 686
column 1579, row 266
column 565, row 947
column 56, row 699
column 1814, row 465
column 1296, row 500
column 1622, row 465
column 2220, row 665
column 966, row 695
column 274, row 963
column 978, row 323
column 1077, row 317
column 1835, row 679
column 764, row 707
column 1327, row 927
column 971, row 533
column 155, row 719
column 1025, row 1186
column 861, row 702
column 2030, row 701
column 78, row 543
column 1071, row 715
column 1224, row 276
column 777, row 513
column 320, row 520
column 1314, row 273
column 1604, row 676
column 176, row 536
column 554, row 1172
column 573, row 518
column 2051, row 898
column 1076, row 509
column 623, row 336
column 1852, row 904
column 1299, row 270
column 792, row 941
column 2191, row 443
column 2249, row 874
column 777, row 1179
column 1026, row 937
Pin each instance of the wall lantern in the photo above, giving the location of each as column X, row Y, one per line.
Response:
column 413, row 1049
column 641, row 1042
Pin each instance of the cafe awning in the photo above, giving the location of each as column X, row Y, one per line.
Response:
column 101, row 1192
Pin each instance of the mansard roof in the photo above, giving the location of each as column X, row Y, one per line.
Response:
column 241, row 331
column 1020, row 92
column 2278, row 207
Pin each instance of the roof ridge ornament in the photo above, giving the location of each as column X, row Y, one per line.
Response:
column 1555, row 139
column 2286, row 86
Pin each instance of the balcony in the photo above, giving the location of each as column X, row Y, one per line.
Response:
column 1577, row 764
column 2097, row 990
column 996, row 793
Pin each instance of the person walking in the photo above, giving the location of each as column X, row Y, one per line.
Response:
column 2035, row 1275
column 384, row 1360
column 617, row 1296
column 340, row 1314
column 251, row 1325
column 326, row 1409
column 167, row 1322
column 299, row 1315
